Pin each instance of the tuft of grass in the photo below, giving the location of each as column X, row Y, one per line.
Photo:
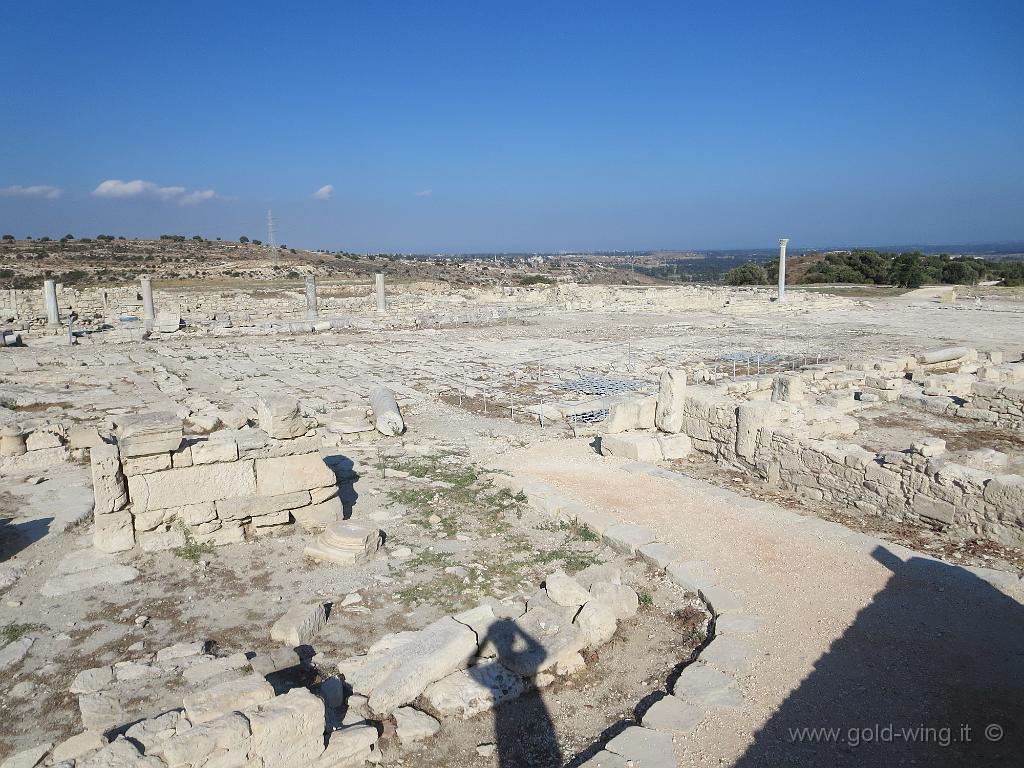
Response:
column 11, row 632
column 464, row 497
column 193, row 551
column 575, row 530
column 430, row 559
column 646, row 601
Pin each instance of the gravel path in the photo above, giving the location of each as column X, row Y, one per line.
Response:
column 908, row 658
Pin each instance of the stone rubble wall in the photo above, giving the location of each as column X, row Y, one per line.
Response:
column 212, row 489
column 802, row 445
column 239, row 308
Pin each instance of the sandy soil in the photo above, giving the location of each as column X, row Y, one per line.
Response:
column 857, row 635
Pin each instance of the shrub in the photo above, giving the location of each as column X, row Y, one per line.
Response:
column 746, row 274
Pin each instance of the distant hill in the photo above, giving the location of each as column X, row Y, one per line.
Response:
column 108, row 260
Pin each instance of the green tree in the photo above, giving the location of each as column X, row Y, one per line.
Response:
column 958, row 272
column 747, row 274
column 243, row 239
column 907, row 271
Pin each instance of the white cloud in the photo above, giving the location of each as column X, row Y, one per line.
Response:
column 326, row 192
column 38, row 190
column 197, row 197
column 425, row 193
column 115, row 188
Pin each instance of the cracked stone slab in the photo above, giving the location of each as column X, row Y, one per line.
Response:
column 29, row 758
column 729, row 653
column 86, row 569
column 627, row 538
column 396, row 676
column 721, row 600
column 644, row 747
column 673, row 714
column 739, row 624
column 707, row 687
column 691, row 575
column 605, row 759
column 14, row 652
column 658, row 555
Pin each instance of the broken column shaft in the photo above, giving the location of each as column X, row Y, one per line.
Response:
column 382, row 304
column 311, row 307
column 50, row 298
column 148, row 313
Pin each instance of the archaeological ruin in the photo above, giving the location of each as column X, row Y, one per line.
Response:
column 400, row 523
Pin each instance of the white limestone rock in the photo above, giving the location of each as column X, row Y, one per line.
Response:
column 412, row 725
column 92, row 680
column 350, row 747
column 468, row 692
column 114, row 532
column 12, row 653
column 597, row 624
column 279, row 416
column 300, row 624
column 212, row 451
column 668, row 415
column 289, row 474
column 28, row 758
column 632, row 445
column 231, row 696
column 619, row 598
column 120, row 754
column 565, row 591
column 644, row 747
column 396, row 676
column 222, row 741
column 108, row 481
column 192, row 485
column 287, row 730
column 78, row 747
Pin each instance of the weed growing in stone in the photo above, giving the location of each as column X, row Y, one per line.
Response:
column 193, row 550
column 11, row 632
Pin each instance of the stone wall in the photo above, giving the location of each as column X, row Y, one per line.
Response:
column 159, row 488
column 802, row 445
column 242, row 308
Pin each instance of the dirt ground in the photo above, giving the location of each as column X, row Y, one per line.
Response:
column 430, row 494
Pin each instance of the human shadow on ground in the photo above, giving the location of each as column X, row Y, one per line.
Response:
column 524, row 734
column 931, row 672
column 15, row 537
column 344, row 470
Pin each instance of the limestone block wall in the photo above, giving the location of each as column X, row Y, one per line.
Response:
column 27, row 305
column 1005, row 402
column 801, row 446
column 214, row 489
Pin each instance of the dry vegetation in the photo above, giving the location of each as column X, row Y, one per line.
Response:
column 216, row 263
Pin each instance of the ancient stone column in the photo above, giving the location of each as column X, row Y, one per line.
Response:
column 148, row 314
column 782, row 268
column 50, row 298
column 12, row 442
column 386, row 414
column 382, row 304
column 14, row 302
column 311, row 308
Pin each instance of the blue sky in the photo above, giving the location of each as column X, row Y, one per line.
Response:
column 455, row 126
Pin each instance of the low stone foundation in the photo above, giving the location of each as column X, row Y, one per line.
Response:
column 159, row 488
column 793, row 431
